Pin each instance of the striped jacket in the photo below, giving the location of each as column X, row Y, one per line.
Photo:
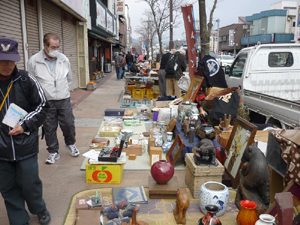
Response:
column 26, row 92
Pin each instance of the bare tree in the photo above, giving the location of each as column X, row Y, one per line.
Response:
column 147, row 32
column 205, row 29
column 160, row 10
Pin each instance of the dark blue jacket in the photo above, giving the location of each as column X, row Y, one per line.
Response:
column 27, row 93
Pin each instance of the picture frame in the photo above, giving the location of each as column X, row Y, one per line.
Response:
column 171, row 125
column 175, row 150
column 195, row 85
column 241, row 137
column 294, row 188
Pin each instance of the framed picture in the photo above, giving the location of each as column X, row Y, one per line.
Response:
column 175, row 150
column 241, row 137
column 294, row 188
column 195, row 85
column 171, row 125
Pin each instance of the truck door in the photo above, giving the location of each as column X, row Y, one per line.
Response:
column 234, row 76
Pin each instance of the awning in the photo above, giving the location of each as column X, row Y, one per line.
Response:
column 100, row 37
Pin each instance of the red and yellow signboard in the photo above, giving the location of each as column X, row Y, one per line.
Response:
column 110, row 174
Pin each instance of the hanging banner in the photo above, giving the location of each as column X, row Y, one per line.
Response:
column 187, row 12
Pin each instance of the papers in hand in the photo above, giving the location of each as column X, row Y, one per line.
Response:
column 13, row 115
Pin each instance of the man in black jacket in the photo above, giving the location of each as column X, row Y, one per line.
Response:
column 162, row 73
column 171, row 79
column 129, row 61
column 19, row 178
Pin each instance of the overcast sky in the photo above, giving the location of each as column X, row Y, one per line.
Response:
column 227, row 11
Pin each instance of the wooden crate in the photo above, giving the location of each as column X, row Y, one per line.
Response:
column 195, row 175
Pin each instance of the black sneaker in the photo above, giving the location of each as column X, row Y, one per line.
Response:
column 44, row 217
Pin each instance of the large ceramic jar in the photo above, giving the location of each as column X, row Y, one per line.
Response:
column 162, row 171
column 214, row 193
column 247, row 214
column 265, row 219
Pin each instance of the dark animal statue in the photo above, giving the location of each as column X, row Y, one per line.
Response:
column 254, row 181
column 205, row 153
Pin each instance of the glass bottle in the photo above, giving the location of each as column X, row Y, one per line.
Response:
column 167, row 145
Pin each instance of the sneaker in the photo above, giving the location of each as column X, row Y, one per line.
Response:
column 73, row 150
column 44, row 217
column 52, row 158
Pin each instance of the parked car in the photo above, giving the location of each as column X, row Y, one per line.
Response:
column 269, row 79
column 225, row 60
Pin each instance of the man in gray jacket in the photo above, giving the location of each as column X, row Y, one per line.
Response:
column 53, row 70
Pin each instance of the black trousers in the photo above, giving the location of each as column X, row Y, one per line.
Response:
column 20, row 183
column 60, row 112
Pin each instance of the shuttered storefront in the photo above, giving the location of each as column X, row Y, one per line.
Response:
column 11, row 26
column 56, row 20
column 32, row 27
column 70, row 45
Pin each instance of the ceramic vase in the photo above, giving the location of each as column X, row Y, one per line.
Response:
column 214, row 193
column 247, row 214
column 210, row 218
column 265, row 219
column 162, row 171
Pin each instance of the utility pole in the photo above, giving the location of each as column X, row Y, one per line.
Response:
column 171, row 43
column 218, row 29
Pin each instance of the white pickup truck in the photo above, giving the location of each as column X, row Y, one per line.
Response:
column 269, row 78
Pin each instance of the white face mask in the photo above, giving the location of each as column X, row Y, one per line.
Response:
column 53, row 53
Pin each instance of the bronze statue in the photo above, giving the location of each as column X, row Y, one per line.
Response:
column 205, row 153
column 185, row 126
column 254, row 181
column 182, row 204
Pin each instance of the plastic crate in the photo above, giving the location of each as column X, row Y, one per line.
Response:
column 138, row 93
column 149, row 94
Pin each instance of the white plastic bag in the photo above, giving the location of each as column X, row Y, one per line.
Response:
column 166, row 114
column 184, row 82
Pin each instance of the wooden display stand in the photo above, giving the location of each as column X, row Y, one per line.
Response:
column 163, row 191
column 195, row 175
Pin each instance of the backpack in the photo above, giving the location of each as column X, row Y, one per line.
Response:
column 171, row 65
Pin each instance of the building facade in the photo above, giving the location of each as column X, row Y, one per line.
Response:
column 28, row 20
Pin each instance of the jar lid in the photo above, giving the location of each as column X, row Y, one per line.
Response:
column 194, row 103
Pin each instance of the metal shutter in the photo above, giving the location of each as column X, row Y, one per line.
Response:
column 70, row 45
column 51, row 16
column 32, row 27
column 11, row 26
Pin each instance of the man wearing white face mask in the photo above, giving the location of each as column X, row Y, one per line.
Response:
column 53, row 70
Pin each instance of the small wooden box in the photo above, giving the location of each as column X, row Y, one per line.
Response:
column 133, row 149
column 151, row 143
column 195, row 175
column 132, row 157
column 155, row 154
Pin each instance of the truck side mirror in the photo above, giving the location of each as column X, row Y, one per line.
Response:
column 227, row 70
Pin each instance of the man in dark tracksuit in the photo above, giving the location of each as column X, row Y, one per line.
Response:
column 162, row 73
column 19, row 176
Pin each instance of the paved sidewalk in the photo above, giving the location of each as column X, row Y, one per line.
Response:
column 64, row 178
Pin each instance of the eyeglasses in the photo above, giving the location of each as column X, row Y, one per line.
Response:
column 54, row 47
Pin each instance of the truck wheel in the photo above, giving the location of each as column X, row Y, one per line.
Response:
column 274, row 122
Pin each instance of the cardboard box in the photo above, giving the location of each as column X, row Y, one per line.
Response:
column 104, row 173
column 90, row 217
column 160, row 104
column 133, row 149
column 81, row 203
column 155, row 154
column 195, row 175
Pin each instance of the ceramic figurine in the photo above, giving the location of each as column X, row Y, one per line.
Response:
column 210, row 218
column 182, row 204
column 214, row 193
column 205, row 153
column 185, row 126
column 254, row 179
column 134, row 222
